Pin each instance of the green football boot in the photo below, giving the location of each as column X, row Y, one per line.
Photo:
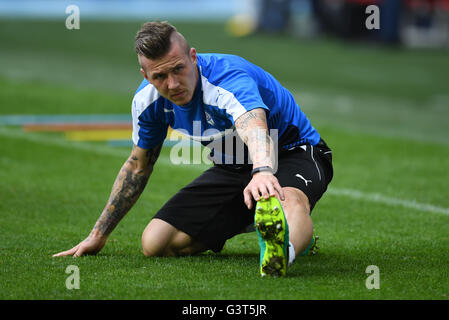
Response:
column 272, row 230
column 312, row 249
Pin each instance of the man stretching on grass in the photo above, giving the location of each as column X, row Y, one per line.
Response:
column 285, row 177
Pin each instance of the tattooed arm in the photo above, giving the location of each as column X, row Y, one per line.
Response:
column 253, row 130
column 128, row 186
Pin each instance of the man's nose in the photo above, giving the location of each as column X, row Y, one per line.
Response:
column 172, row 82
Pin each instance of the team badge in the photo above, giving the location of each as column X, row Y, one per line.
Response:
column 209, row 119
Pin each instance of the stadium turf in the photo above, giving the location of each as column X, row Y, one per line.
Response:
column 385, row 113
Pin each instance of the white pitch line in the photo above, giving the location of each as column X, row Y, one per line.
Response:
column 379, row 198
column 165, row 161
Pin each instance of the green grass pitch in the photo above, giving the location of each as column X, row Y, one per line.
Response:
column 385, row 113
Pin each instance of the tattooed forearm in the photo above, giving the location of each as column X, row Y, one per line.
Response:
column 125, row 192
column 260, row 147
column 252, row 128
column 153, row 154
column 244, row 121
column 127, row 188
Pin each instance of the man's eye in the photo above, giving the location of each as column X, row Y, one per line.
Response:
column 178, row 68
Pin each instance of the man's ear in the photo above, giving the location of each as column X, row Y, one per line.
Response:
column 193, row 54
column 144, row 74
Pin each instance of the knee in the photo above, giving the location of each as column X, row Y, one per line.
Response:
column 295, row 201
column 154, row 247
column 156, row 239
column 149, row 251
column 161, row 239
column 151, row 247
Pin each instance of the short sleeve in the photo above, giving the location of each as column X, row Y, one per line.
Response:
column 148, row 130
column 236, row 92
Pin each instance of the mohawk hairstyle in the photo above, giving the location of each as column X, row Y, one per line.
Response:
column 153, row 39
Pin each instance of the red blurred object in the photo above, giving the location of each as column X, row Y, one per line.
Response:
column 413, row 4
column 365, row 2
column 429, row 4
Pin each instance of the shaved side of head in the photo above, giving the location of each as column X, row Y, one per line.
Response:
column 155, row 39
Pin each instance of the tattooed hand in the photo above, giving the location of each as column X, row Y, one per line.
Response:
column 127, row 188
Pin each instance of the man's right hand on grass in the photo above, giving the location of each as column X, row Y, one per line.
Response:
column 91, row 245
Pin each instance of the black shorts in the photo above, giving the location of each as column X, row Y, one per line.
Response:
column 211, row 208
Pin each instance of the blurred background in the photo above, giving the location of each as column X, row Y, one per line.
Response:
column 393, row 78
column 379, row 97
column 413, row 23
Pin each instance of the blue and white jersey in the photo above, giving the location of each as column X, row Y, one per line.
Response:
column 228, row 86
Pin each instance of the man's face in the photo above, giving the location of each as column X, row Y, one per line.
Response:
column 174, row 75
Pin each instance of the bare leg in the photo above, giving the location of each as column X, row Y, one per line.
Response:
column 297, row 211
column 162, row 239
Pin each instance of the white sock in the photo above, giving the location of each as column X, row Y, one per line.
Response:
column 291, row 254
